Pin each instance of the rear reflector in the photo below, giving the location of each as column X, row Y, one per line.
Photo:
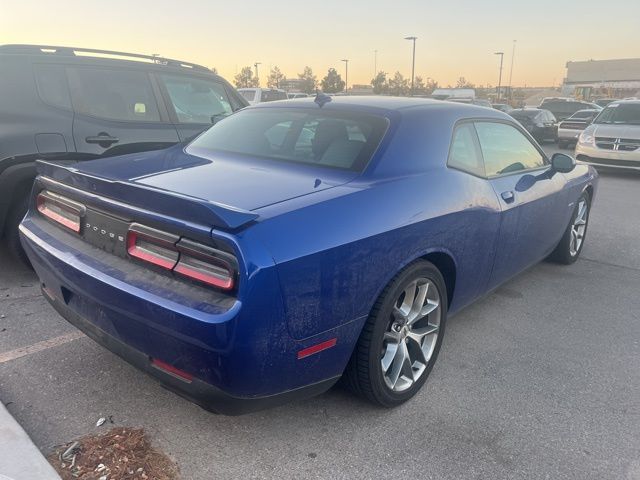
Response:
column 152, row 246
column 206, row 264
column 171, row 370
column 60, row 210
column 316, row 348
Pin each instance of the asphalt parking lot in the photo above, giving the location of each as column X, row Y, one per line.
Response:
column 541, row 379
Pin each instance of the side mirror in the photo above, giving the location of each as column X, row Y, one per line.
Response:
column 562, row 163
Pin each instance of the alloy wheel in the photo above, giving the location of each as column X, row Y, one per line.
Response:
column 579, row 227
column 411, row 336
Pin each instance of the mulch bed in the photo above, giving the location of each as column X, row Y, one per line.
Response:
column 119, row 454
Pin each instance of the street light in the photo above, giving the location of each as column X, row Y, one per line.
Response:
column 413, row 60
column 346, row 74
column 257, row 76
column 500, row 77
column 513, row 54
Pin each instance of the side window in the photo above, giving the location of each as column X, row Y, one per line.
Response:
column 51, row 81
column 197, row 100
column 465, row 151
column 123, row 95
column 505, row 149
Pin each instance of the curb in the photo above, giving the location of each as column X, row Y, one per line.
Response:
column 20, row 459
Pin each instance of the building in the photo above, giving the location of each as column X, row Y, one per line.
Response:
column 603, row 78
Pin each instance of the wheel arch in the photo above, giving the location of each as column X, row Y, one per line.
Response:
column 445, row 263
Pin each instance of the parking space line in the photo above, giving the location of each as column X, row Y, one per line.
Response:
column 38, row 347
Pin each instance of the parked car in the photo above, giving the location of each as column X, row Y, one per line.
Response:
column 292, row 95
column 569, row 130
column 613, row 138
column 563, row 108
column 503, row 107
column 603, row 102
column 541, row 124
column 481, row 102
column 260, row 95
column 71, row 104
column 251, row 267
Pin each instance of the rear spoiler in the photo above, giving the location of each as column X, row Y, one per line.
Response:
column 172, row 204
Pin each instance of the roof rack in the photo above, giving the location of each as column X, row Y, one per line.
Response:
column 71, row 51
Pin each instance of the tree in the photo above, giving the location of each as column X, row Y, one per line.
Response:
column 275, row 77
column 463, row 83
column 333, row 82
column 310, row 82
column 418, row 86
column 431, row 86
column 379, row 83
column 246, row 79
column 398, row 85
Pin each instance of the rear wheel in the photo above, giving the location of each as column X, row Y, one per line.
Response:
column 568, row 249
column 401, row 339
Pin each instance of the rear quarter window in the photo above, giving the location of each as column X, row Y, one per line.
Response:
column 51, row 82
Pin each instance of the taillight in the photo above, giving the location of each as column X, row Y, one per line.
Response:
column 207, row 265
column 187, row 258
column 60, row 210
column 153, row 246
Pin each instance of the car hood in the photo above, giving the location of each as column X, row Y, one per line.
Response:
column 616, row 131
column 239, row 182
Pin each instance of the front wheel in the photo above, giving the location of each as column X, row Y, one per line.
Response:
column 568, row 249
column 400, row 341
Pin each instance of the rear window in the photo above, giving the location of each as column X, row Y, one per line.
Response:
column 249, row 95
column 271, row 95
column 313, row 136
column 525, row 114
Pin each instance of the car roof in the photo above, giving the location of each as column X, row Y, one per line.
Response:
column 383, row 104
column 629, row 101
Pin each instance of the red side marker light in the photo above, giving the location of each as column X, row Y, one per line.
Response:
column 171, row 370
column 316, row 348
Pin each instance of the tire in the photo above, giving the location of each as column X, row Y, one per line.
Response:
column 566, row 252
column 12, row 234
column 365, row 375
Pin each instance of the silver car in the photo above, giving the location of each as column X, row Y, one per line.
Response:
column 613, row 139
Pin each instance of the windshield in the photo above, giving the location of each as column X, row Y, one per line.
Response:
column 249, row 95
column 621, row 113
column 307, row 136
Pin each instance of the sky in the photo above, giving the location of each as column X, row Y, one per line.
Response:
column 456, row 38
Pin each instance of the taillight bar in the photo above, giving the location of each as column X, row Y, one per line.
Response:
column 60, row 210
column 152, row 246
column 184, row 257
column 206, row 264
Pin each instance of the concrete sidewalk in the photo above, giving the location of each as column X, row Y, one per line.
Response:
column 20, row 459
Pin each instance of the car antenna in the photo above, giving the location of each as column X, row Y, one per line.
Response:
column 321, row 98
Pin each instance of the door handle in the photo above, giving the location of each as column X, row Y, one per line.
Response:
column 102, row 139
column 508, row 196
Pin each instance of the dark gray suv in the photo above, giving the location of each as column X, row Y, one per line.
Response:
column 70, row 104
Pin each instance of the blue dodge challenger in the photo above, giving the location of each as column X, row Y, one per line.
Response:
column 298, row 242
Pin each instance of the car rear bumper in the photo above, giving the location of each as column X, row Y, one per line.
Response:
column 206, row 395
column 238, row 358
column 568, row 134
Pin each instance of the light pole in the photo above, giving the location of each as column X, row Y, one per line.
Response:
column 257, row 76
column 346, row 74
column 500, row 77
column 413, row 60
column 513, row 54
